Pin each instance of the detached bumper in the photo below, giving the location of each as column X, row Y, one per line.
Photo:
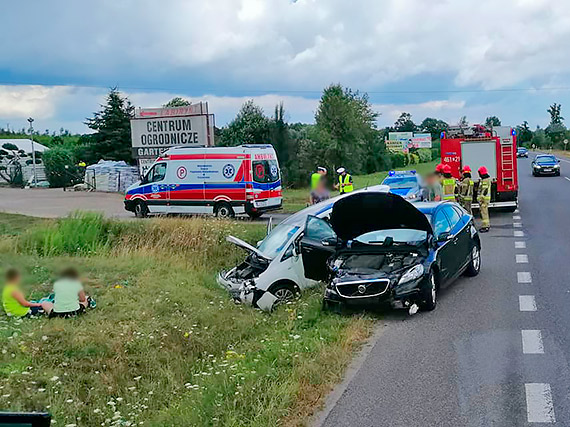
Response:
column 245, row 292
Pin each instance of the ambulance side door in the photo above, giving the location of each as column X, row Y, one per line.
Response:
column 157, row 189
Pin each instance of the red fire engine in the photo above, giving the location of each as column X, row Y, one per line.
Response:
column 495, row 149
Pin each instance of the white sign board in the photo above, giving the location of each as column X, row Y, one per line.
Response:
column 421, row 140
column 190, row 110
column 144, row 165
column 153, row 135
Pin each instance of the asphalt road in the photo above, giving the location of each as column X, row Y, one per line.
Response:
column 479, row 359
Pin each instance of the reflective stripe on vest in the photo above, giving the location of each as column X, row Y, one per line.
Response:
column 448, row 185
column 346, row 186
column 484, row 191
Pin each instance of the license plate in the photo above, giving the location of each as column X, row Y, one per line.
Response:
column 547, row 170
column 261, row 203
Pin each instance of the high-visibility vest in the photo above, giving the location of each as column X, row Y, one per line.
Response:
column 345, row 186
column 448, row 185
column 466, row 189
column 484, row 191
column 315, row 178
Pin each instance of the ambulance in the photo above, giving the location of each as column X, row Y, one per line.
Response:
column 223, row 181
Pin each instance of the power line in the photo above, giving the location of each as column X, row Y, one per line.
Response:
column 299, row 91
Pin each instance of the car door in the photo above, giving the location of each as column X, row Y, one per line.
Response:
column 462, row 238
column 157, row 191
column 317, row 245
column 445, row 244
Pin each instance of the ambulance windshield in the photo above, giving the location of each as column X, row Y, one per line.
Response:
column 265, row 171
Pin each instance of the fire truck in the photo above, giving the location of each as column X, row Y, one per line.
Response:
column 495, row 149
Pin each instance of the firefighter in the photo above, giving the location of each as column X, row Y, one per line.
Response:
column 484, row 198
column 466, row 189
column 449, row 184
column 344, row 181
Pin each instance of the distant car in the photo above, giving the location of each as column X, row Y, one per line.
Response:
column 407, row 184
column 382, row 249
column 522, row 152
column 545, row 164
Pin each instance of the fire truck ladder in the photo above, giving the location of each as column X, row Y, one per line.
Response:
column 508, row 164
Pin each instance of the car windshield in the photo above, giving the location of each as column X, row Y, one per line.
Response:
column 546, row 159
column 401, row 182
column 403, row 235
column 265, row 171
column 277, row 240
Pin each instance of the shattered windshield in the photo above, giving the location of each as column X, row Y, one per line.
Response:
column 277, row 240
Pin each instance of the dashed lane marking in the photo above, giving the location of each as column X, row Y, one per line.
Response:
column 517, row 217
column 567, row 178
column 521, row 258
column 524, row 277
column 517, row 211
column 518, row 233
column 532, row 341
column 517, row 224
column 527, row 303
column 520, row 245
column 539, row 405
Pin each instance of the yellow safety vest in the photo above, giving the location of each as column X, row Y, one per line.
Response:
column 484, row 191
column 315, row 178
column 448, row 185
column 466, row 189
column 346, row 186
column 11, row 305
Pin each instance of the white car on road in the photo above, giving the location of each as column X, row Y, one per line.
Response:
column 273, row 271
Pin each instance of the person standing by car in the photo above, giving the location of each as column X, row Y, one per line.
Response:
column 466, row 189
column 435, row 193
column 345, row 184
column 449, row 184
column 317, row 185
column 484, row 198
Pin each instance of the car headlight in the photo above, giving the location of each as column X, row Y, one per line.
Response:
column 556, row 166
column 413, row 273
column 411, row 196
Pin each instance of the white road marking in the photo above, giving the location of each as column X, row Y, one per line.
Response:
column 532, row 341
column 527, row 303
column 521, row 258
column 539, row 405
column 520, row 245
column 516, row 211
column 524, row 277
column 567, row 178
column 518, row 233
column 516, row 217
column 517, row 224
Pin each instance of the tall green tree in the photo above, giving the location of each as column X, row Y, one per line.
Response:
column 524, row 134
column 492, row 121
column 345, row 128
column 177, row 102
column 249, row 127
column 555, row 114
column 405, row 123
column 433, row 126
column 112, row 137
column 556, row 129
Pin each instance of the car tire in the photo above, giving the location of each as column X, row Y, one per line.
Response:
column 255, row 215
column 474, row 263
column 429, row 293
column 224, row 210
column 141, row 209
column 284, row 292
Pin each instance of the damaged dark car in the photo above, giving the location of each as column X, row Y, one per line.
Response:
column 379, row 249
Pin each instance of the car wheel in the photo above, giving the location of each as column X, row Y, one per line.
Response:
column 284, row 293
column 475, row 262
column 224, row 210
column 141, row 210
column 429, row 293
column 255, row 215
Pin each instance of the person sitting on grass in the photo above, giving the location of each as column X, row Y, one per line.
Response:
column 69, row 296
column 14, row 302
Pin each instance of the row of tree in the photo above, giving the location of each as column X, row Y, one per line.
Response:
column 344, row 133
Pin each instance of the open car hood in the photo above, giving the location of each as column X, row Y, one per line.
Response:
column 364, row 212
column 247, row 247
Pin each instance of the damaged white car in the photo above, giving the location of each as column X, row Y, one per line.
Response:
column 273, row 271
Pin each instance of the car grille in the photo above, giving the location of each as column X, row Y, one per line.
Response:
column 362, row 288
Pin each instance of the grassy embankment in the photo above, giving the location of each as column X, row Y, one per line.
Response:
column 165, row 346
column 295, row 199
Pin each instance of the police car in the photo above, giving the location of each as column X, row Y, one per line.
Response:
column 407, row 184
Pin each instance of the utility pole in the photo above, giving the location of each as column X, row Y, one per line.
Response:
column 30, row 120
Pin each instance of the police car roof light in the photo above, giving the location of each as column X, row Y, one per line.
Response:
column 391, row 173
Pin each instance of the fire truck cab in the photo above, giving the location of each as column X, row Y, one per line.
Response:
column 495, row 149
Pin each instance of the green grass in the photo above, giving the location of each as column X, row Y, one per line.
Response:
column 295, row 199
column 166, row 345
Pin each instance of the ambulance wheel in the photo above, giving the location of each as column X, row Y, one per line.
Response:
column 141, row 210
column 254, row 215
column 224, row 210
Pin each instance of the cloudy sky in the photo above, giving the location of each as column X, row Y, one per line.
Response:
column 438, row 58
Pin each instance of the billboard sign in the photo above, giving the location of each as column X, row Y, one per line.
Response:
column 421, row 140
column 403, row 141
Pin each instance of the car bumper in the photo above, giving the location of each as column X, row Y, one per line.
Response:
column 246, row 292
column 266, row 205
column 549, row 171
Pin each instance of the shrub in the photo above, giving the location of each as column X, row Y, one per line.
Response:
column 55, row 161
column 424, row 155
column 399, row 160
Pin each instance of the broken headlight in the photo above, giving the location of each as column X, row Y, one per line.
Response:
column 413, row 273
